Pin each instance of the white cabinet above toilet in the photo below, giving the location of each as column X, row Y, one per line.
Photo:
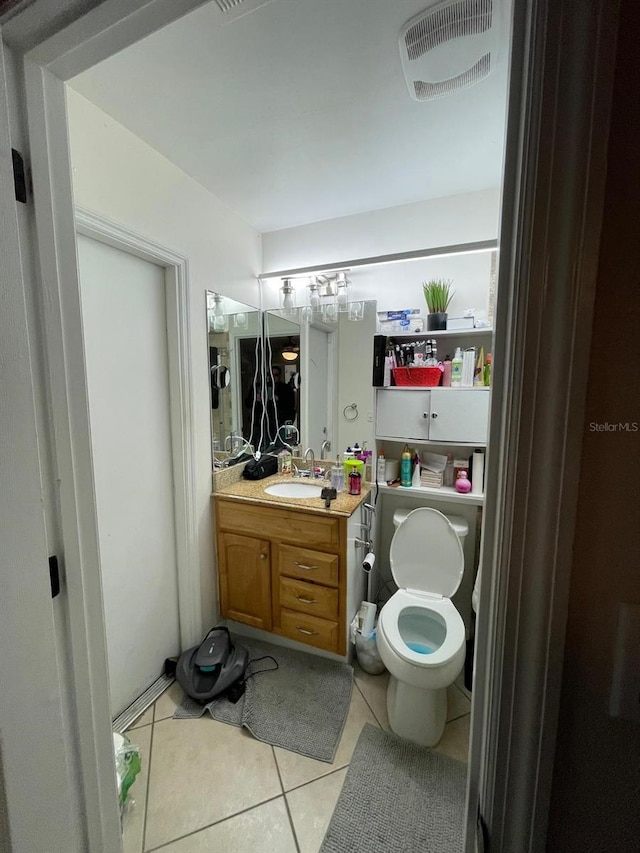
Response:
column 443, row 415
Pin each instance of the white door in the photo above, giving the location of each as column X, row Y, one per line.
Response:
column 125, row 339
column 317, row 429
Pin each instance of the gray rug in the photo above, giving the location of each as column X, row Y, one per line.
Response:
column 302, row 706
column 398, row 798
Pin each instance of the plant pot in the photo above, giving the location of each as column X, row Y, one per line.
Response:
column 436, row 322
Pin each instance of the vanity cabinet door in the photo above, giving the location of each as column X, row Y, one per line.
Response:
column 245, row 579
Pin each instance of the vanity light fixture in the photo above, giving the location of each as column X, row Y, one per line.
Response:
column 219, row 321
column 342, row 287
column 287, row 298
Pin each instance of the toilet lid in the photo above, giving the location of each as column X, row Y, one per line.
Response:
column 426, row 554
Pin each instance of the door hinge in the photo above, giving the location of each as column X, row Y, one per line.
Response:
column 54, row 576
column 19, row 176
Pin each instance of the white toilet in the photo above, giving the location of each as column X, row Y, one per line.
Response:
column 421, row 636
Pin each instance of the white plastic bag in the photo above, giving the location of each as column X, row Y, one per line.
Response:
column 367, row 653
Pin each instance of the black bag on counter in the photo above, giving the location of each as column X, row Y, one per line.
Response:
column 258, row 469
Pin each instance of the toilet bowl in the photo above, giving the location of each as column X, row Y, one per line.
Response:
column 420, row 635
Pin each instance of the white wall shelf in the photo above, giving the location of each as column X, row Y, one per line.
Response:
column 444, row 493
column 430, row 388
column 443, row 333
column 420, row 441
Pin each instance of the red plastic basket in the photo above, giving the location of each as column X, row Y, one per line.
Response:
column 426, row 377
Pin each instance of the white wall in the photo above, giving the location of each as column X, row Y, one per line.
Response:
column 438, row 222
column 119, row 176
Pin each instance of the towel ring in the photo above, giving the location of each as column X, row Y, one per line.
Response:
column 353, row 408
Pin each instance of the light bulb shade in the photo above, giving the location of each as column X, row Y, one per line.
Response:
column 343, row 296
column 289, row 354
column 314, row 296
column 240, row 321
column 356, row 311
column 287, row 298
column 330, row 313
column 218, row 323
column 306, row 314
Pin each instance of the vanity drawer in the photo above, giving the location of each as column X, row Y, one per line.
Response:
column 308, row 565
column 309, row 598
column 309, row 629
column 280, row 524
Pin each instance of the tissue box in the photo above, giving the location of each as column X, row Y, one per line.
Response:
column 457, row 323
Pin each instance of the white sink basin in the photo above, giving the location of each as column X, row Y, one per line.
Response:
column 294, row 490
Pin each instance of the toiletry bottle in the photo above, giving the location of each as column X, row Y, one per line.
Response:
column 478, row 373
column 446, row 373
column 487, row 371
column 337, row 476
column 448, row 479
column 462, row 483
column 405, row 467
column 456, row 369
column 415, row 478
column 355, row 482
column 381, row 467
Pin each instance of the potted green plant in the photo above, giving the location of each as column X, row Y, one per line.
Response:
column 438, row 295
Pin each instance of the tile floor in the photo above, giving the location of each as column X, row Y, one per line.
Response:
column 207, row 786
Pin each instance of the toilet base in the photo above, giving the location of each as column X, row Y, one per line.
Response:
column 416, row 714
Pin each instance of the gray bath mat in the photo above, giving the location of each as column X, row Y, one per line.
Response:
column 398, row 797
column 302, row 706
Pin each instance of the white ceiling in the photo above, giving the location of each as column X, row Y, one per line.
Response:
column 299, row 112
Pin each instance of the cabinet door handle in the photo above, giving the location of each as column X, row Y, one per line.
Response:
column 434, row 414
column 308, row 633
column 425, row 414
column 306, row 568
column 307, row 600
column 263, row 556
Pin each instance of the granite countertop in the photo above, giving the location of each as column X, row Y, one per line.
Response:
column 253, row 491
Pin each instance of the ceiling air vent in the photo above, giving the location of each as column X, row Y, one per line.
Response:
column 449, row 47
column 236, row 8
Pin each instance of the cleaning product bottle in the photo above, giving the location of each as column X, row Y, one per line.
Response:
column 381, row 467
column 355, row 482
column 415, row 478
column 405, row 467
column 487, row 371
column 456, row 369
column 478, row 373
column 446, row 373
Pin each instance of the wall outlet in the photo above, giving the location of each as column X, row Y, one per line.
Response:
column 625, row 687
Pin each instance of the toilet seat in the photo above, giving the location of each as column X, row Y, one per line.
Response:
column 454, row 638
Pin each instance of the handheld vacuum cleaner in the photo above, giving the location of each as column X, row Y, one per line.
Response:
column 213, row 667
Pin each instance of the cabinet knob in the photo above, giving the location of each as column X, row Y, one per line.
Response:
column 263, row 556
column 434, row 414
column 425, row 414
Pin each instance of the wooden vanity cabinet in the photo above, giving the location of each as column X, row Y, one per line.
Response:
column 296, row 570
column 245, row 579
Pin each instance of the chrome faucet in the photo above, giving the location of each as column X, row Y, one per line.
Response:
column 311, row 466
column 326, row 445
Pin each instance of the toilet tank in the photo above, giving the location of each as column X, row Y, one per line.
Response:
column 459, row 524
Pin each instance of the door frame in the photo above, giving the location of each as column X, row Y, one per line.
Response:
column 521, row 687
column 181, row 401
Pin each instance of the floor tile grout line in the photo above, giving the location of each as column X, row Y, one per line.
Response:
column 318, row 778
column 375, row 717
column 146, row 798
column 215, row 823
column 459, row 717
column 286, row 802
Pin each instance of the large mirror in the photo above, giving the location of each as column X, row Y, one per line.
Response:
column 233, row 328
column 269, row 371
